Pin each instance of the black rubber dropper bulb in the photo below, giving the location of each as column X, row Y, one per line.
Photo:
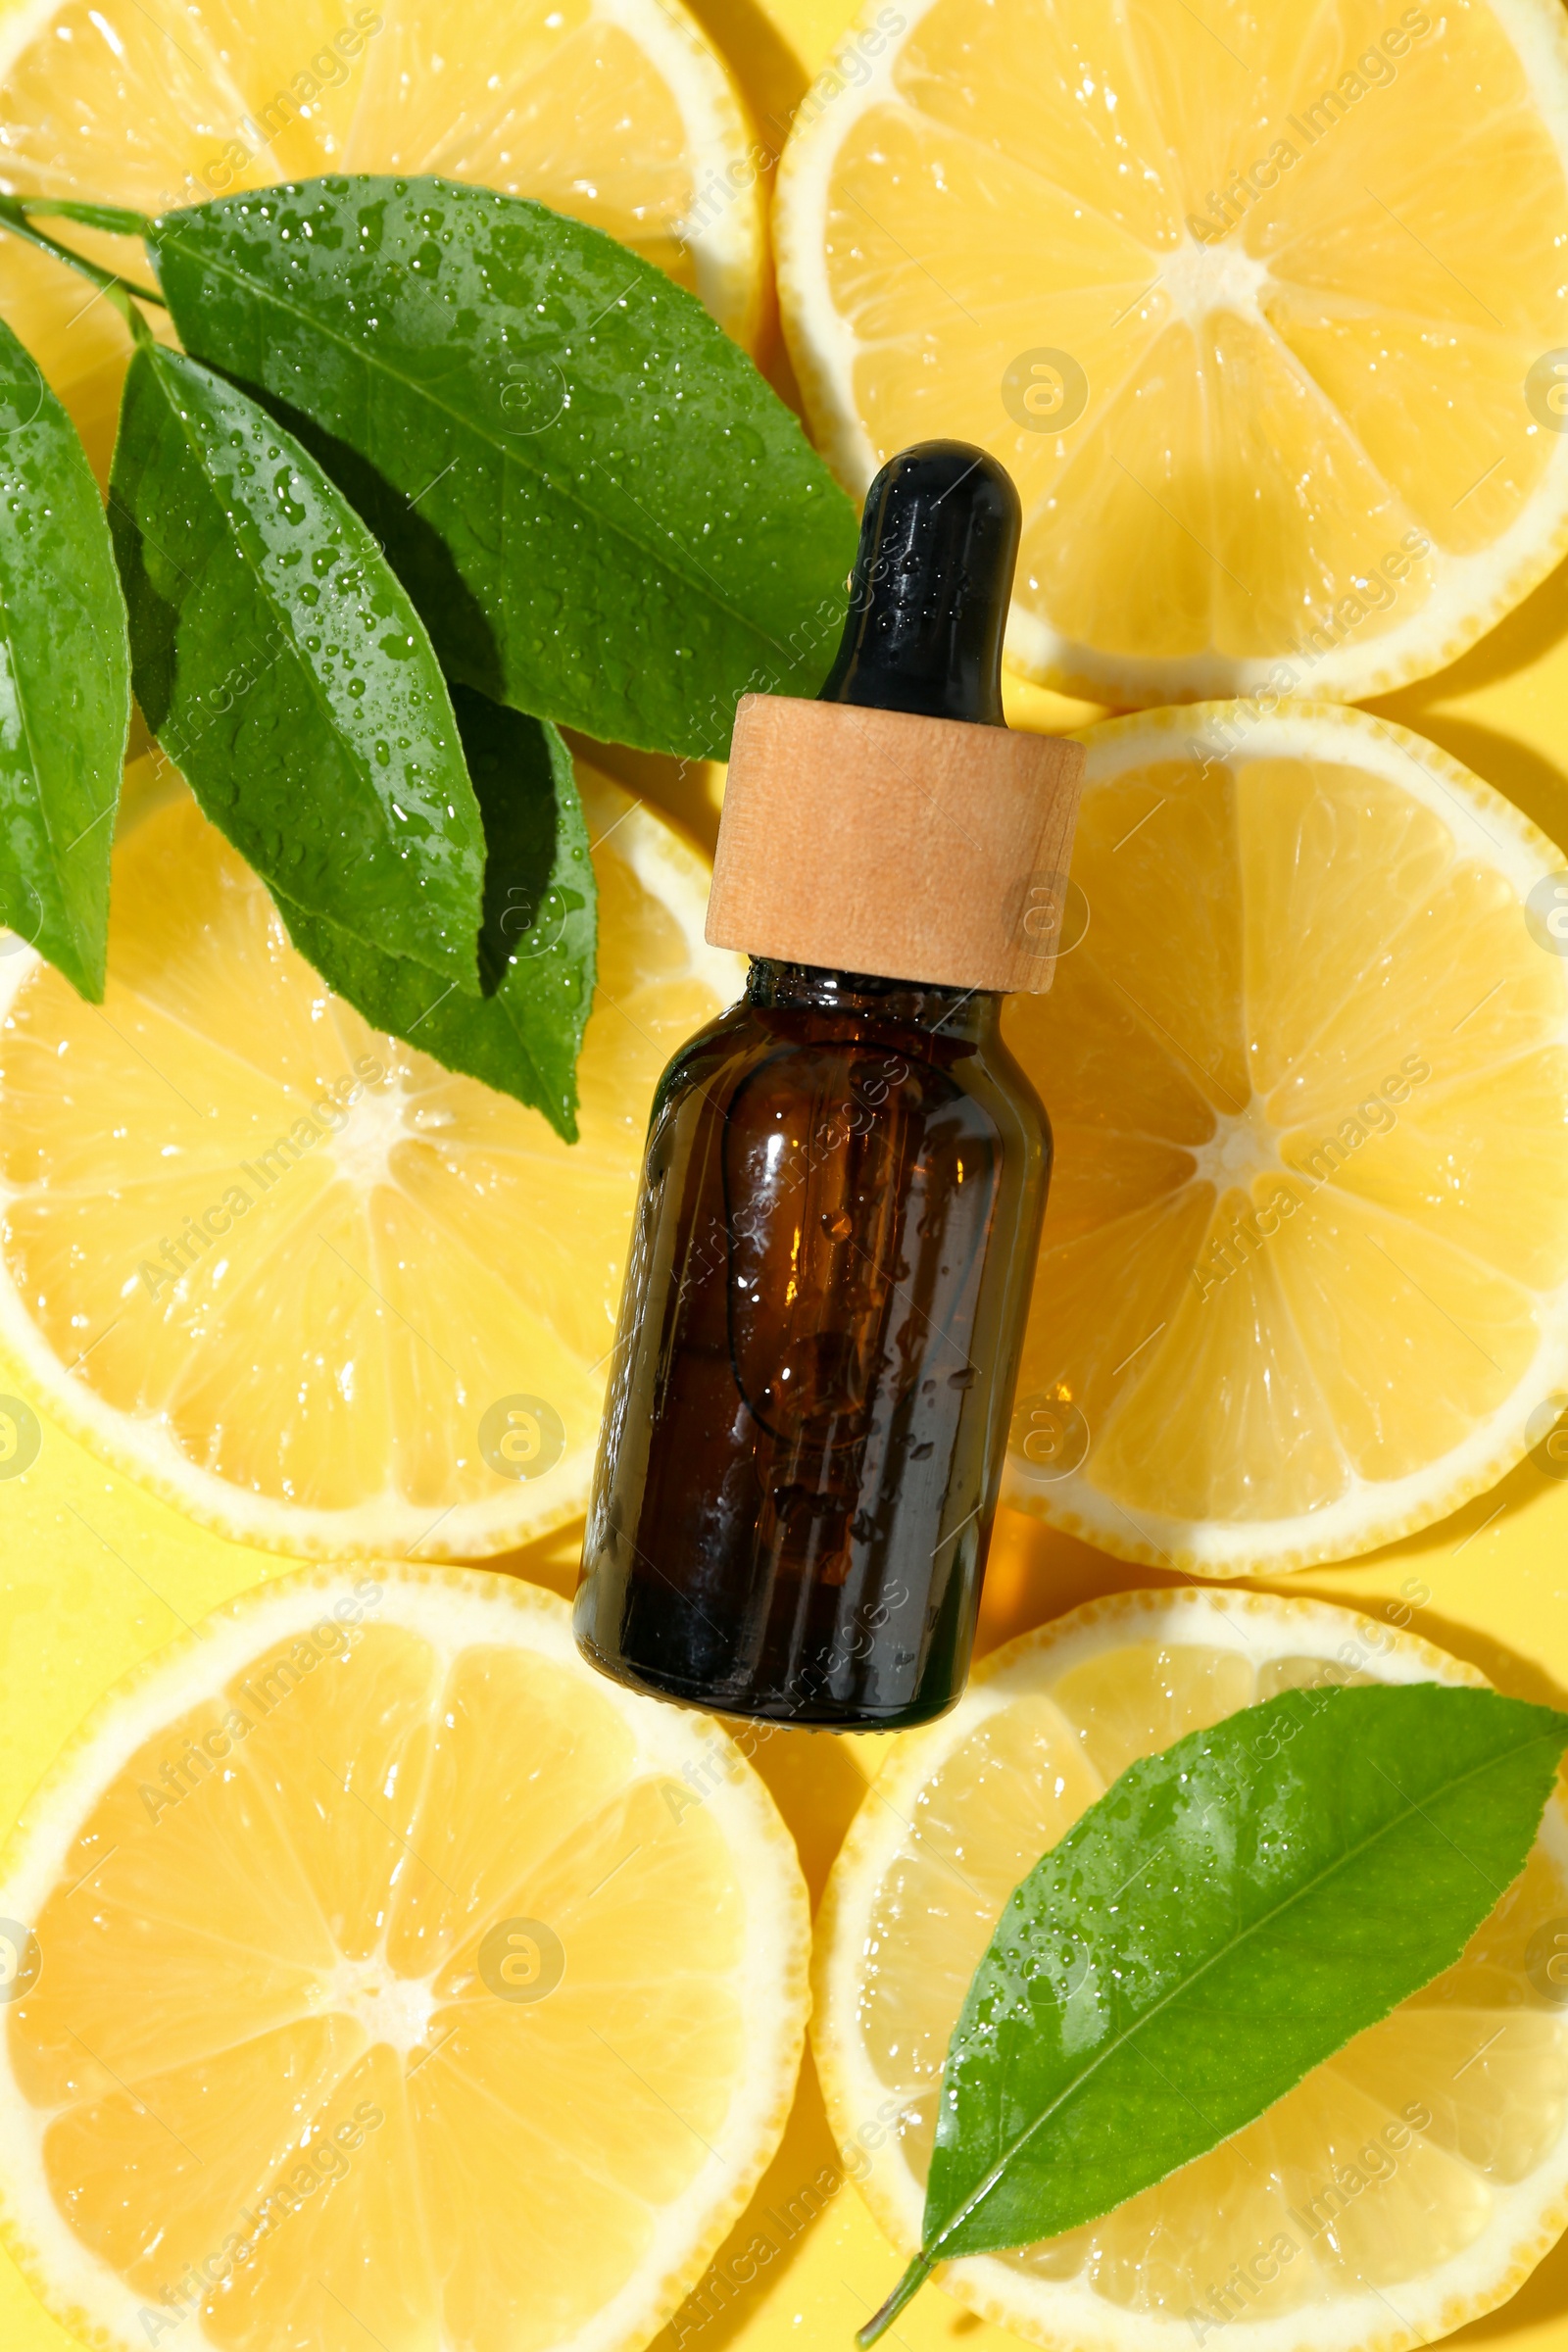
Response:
column 929, row 593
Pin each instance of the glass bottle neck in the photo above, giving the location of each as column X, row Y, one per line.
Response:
column 970, row 1015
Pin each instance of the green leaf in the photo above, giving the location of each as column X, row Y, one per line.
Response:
column 1227, row 1916
column 279, row 660
column 602, row 511
column 65, row 681
column 536, row 949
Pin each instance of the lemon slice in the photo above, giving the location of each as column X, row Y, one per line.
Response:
column 1401, row 2188
column 1223, row 287
column 293, row 1275
column 1300, row 1287
column 618, row 112
column 388, row 1976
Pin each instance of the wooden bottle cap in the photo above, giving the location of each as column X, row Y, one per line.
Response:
column 882, row 842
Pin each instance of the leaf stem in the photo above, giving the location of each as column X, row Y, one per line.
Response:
column 114, row 218
column 914, row 2278
column 14, row 212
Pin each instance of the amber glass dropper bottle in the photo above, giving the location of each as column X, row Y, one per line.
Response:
column 845, row 1174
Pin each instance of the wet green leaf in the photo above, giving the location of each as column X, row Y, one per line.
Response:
column 536, row 947
column 602, row 511
column 65, row 681
column 279, row 661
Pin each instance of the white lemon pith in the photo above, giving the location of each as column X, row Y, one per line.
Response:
column 279, row 1267
column 1224, row 290
column 1402, row 2188
column 618, row 112
column 394, row 1985
column 1303, row 1281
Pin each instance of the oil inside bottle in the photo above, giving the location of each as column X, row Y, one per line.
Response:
column 802, row 1445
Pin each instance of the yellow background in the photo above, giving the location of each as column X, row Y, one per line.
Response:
column 95, row 1574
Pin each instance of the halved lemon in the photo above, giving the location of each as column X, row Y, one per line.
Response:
column 1406, row 2187
column 1223, row 286
column 290, row 1273
column 618, row 112
column 1303, row 1281
column 385, row 1976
